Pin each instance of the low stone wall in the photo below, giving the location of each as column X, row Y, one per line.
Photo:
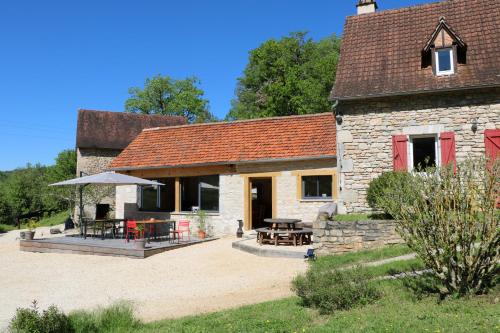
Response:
column 331, row 237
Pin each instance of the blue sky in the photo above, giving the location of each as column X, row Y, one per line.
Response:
column 59, row 56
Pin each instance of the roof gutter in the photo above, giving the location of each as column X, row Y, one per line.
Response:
column 271, row 160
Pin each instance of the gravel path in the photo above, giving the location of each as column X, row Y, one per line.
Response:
column 197, row 279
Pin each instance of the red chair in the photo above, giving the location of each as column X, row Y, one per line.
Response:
column 182, row 228
column 132, row 229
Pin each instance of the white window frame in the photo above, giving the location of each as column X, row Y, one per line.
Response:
column 437, row 148
column 452, row 61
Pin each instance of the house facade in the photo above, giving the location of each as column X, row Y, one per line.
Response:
column 415, row 87
column 242, row 170
column 102, row 136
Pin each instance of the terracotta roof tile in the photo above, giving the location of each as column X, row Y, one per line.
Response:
column 295, row 137
column 381, row 52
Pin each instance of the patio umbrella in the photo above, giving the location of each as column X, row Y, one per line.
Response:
column 104, row 178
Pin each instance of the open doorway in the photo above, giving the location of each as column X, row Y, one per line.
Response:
column 261, row 194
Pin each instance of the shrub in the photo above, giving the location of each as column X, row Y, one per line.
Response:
column 29, row 320
column 331, row 290
column 383, row 183
column 450, row 219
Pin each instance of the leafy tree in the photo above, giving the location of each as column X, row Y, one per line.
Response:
column 24, row 189
column 290, row 76
column 61, row 197
column 167, row 96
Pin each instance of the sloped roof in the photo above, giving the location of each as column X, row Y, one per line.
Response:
column 269, row 139
column 382, row 52
column 115, row 130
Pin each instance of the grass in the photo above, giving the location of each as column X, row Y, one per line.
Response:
column 354, row 258
column 6, row 228
column 359, row 217
column 396, row 311
column 58, row 218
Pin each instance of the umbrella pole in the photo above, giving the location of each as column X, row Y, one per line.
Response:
column 83, row 232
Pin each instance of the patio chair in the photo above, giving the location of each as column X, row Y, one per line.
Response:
column 183, row 228
column 132, row 230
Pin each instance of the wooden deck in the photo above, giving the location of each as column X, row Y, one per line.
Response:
column 107, row 247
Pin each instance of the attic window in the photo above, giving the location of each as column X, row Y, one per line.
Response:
column 444, row 61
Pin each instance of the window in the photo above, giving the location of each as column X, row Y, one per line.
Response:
column 317, row 187
column 423, row 152
column 444, row 61
column 159, row 198
column 201, row 192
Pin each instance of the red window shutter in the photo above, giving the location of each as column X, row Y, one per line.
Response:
column 447, row 140
column 400, row 152
column 492, row 144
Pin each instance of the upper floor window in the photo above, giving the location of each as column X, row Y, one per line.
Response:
column 444, row 61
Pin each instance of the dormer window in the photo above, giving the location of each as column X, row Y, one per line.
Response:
column 444, row 50
column 444, row 61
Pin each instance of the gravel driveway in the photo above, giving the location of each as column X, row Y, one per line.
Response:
column 191, row 280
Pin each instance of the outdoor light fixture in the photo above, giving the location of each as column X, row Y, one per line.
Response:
column 339, row 117
column 474, row 125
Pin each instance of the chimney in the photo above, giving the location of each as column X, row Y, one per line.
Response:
column 366, row 6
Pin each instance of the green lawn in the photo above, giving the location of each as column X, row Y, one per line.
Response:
column 362, row 256
column 55, row 219
column 6, row 228
column 396, row 311
column 359, row 217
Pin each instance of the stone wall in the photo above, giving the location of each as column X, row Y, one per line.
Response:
column 92, row 161
column 365, row 135
column 332, row 237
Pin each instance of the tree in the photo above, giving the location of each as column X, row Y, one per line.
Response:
column 166, row 96
column 59, row 198
column 290, row 76
column 450, row 220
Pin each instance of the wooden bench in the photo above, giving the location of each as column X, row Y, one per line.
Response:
column 276, row 237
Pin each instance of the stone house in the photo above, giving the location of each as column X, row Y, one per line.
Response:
column 102, row 135
column 417, row 86
column 243, row 170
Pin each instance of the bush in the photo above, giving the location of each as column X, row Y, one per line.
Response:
column 29, row 320
column 382, row 184
column 450, row 219
column 331, row 290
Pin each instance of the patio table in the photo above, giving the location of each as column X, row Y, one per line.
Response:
column 154, row 223
column 105, row 222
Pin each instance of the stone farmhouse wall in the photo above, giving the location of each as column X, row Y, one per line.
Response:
column 365, row 136
column 92, row 161
column 334, row 237
column 232, row 194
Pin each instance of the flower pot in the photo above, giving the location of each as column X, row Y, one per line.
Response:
column 202, row 234
column 140, row 244
column 28, row 235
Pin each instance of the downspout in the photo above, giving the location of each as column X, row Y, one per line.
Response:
column 339, row 149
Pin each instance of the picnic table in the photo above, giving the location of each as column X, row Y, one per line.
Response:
column 283, row 231
column 276, row 223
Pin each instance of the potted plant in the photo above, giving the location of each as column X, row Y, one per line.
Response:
column 32, row 225
column 140, row 243
column 202, row 224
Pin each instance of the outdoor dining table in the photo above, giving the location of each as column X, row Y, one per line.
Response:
column 107, row 222
column 275, row 223
column 154, row 223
